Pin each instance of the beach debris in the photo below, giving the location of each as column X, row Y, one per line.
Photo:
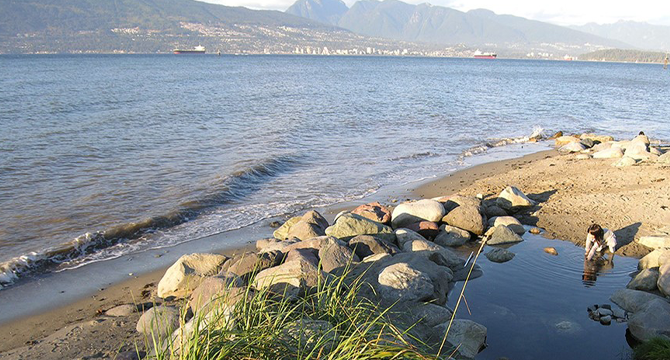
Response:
column 499, row 255
column 467, row 261
column 551, row 251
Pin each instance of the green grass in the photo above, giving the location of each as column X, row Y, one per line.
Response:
column 331, row 322
column 654, row 349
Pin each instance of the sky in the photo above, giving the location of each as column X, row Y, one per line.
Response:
column 562, row 12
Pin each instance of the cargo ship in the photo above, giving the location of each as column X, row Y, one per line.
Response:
column 485, row 55
column 197, row 50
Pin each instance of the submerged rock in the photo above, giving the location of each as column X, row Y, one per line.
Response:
column 503, row 235
column 467, row 336
column 551, row 251
column 499, row 255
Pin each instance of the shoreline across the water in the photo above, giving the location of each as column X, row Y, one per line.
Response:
column 573, row 193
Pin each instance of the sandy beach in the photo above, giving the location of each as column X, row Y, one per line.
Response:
column 633, row 201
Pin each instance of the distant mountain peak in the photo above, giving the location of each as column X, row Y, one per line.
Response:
column 325, row 11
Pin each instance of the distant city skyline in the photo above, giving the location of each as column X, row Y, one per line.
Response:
column 566, row 12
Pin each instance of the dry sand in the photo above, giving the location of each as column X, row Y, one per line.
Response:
column 572, row 194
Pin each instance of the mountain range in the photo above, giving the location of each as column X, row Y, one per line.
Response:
column 442, row 25
column 642, row 35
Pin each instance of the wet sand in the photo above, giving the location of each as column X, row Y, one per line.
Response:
column 572, row 194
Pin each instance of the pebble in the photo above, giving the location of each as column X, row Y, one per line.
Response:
column 551, row 251
column 535, row 230
column 606, row 320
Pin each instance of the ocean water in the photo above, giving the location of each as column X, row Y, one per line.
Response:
column 103, row 156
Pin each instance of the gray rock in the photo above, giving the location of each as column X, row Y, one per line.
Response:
column 582, row 157
column 572, row 147
column 655, row 242
column 467, row 214
column 645, row 280
column 122, row 310
column 336, row 256
column 606, row 320
column 401, row 282
column 428, row 314
column 350, row 225
column 587, row 142
column 311, row 225
column 451, row 236
column 499, row 255
column 404, row 236
column 291, row 278
column 604, row 312
column 248, row 263
column 510, row 221
column 307, row 334
column 466, row 335
column 282, row 232
column 633, row 300
column 611, row 153
column 226, row 288
column 366, row 245
column 651, row 321
column 420, row 245
column 512, row 199
column 269, row 245
column 187, row 273
column 415, row 211
column 494, row 210
column 461, row 274
column 158, row 321
column 503, row 235
column 651, row 260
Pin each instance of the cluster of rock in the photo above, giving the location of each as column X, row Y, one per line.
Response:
column 626, row 153
column 647, row 295
column 605, row 314
column 404, row 256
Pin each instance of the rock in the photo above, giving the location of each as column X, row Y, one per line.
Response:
column 269, row 245
column 375, row 212
column 633, row 300
column 611, row 153
column 349, row 225
column 122, row 310
column 427, row 229
column 651, row 260
column 226, row 288
column 461, row 274
column 314, row 244
column 465, row 213
column 606, row 320
column 336, row 256
column 641, row 139
column 604, row 312
column 664, row 159
column 655, row 151
column 187, row 273
column 571, row 147
column 130, row 355
column 583, row 157
column 602, row 146
column 655, row 242
column 311, row 225
column 652, row 321
column 465, row 335
column 551, row 251
column 499, row 255
column 512, row 198
column 248, row 263
column 420, row 245
column 494, row 210
column 510, row 221
column 427, row 313
column 535, row 230
column 415, row 211
column 638, row 151
column 565, row 140
column 568, row 327
column 402, row 282
column 503, row 235
column 159, row 321
column 625, row 162
column 366, row 245
column 645, row 280
column 282, row 232
column 596, row 138
column 291, row 278
column 406, row 235
column 307, row 334
column 451, row 236
column 587, row 143
column 556, row 135
column 663, row 282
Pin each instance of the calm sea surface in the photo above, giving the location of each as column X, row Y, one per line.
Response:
column 108, row 155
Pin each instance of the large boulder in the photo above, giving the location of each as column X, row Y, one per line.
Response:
column 187, row 273
column 375, row 212
column 335, row 256
column 291, row 278
column 349, row 225
column 466, row 336
column 512, row 199
column 415, row 211
column 625, row 161
column 596, row 138
column 651, row 321
column 503, row 235
column 427, row 229
column 611, row 153
column 226, row 288
column 305, row 335
column 282, row 232
column 312, row 224
column 248, row 263
column 509, row 221
column 451, row 236
column 655, row 242
column 645, row 280
column 565, row 140
column 406, row 235
column 651, row 260
column 159, row 321
column 633, row 300
column 269, row 245
column 366, row 245
column 663, row 282
column 428, row 314
column 402, row 282
column 572, row 147
column 499, row 255
column 465, row 213
column 664, row 159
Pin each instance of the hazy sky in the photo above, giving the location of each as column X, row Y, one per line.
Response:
column 562, row 12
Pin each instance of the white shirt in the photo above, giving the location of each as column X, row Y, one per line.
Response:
column 609, row 239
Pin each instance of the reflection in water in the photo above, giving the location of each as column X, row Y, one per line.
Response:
column 593, row 268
